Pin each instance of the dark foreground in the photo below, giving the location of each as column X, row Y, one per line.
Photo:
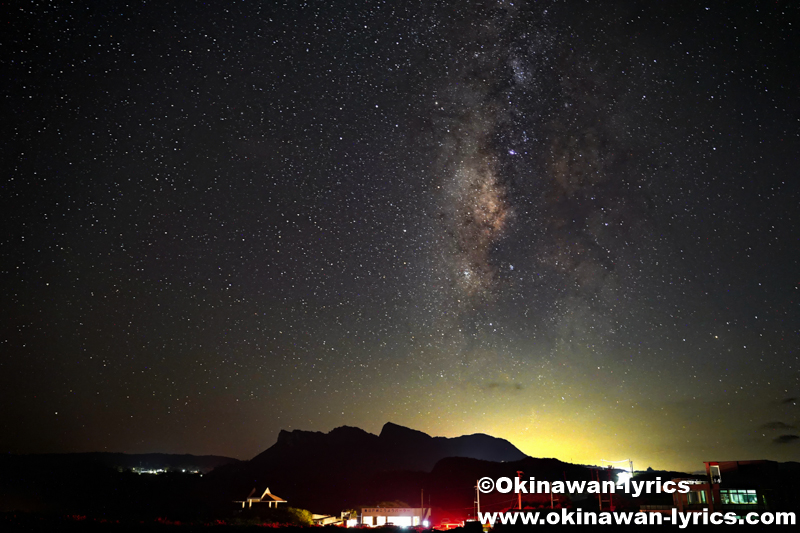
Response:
column 12, row 522
column 54, row 523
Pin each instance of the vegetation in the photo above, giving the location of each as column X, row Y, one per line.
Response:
column 261, row 514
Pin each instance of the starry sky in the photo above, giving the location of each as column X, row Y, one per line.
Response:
column 570, row 224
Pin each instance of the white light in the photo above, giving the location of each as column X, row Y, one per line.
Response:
column 425, row 523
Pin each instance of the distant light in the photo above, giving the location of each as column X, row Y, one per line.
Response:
column 512, row 152
column 624, row 477
column 425, row 523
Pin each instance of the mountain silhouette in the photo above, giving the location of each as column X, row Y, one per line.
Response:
column 336, row 470
column 396, row 448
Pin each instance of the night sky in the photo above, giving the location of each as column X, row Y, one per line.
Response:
column 573, row 225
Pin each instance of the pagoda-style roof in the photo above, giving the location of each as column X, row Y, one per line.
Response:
column 267, row 497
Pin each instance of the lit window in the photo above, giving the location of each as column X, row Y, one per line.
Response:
column 697, row 497
column 738, row 496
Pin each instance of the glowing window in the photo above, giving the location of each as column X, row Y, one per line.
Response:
column 738, row 496
column 402, row 521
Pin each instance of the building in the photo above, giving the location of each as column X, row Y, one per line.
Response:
column 737, row 486
column 699, row 497
column 327, row 519
column 267, row 497
column 742, row 486
column 397, row 516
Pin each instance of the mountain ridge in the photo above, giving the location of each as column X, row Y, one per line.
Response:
column 335, row 469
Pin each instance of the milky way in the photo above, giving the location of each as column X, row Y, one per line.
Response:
column 516, row 133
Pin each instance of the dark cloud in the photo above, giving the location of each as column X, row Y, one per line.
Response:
column 785, row 439
column 777, row 425
column 788, row 400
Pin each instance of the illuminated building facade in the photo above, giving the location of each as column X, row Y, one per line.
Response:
column 397, row 516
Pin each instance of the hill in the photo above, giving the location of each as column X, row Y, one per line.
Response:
column 345, row 467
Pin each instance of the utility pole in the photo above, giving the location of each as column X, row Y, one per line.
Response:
column 478, row 492
column 519, row 494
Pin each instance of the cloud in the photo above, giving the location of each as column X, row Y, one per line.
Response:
column 786, row 439
column 777, row 425
column 788, row 400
